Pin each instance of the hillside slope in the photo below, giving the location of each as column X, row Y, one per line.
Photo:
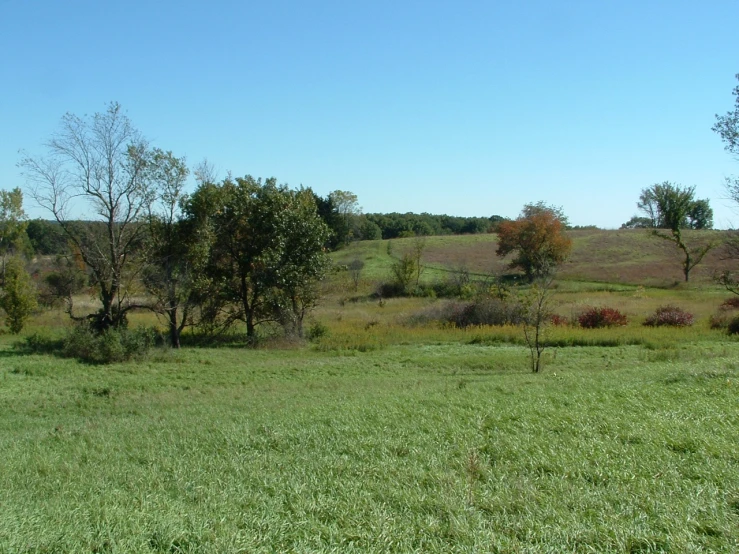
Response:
column 629, row 256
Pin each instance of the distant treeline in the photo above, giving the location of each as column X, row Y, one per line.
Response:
column 394, row 225
column 47, row 238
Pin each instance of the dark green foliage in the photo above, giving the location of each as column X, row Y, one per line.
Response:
column 317, row 331
column 336, row 223
column 47, row 237
column 266, row 252
column 670, row 316
column 733, row 327
column 670, row 206
column 368, row 230
column 637, row 222
column 109, row 346
column 596, row 318
column 394, row 225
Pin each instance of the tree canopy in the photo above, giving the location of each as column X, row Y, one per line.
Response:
column 537, row 237
column 674, row 208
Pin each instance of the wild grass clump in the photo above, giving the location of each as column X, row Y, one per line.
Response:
column 597, row 318
column 670, row 316
column 111, row 346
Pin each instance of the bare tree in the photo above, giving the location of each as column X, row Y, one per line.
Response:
column 537, row 315
column 95, row 169
column 419, row 245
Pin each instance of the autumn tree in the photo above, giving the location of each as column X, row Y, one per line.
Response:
column 537, row 238
column 96, row 167
column 672, row 209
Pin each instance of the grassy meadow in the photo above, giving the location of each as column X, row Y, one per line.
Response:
column 381, row 436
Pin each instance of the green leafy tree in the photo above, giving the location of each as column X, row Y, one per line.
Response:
column 403, row 270
column 174, row 252
column 335, row 221
column 267, row 251
column 19, row 294
column 12, row 221
column 674, row 208
column 347, row 205
column 537, row 238
column 666, row 206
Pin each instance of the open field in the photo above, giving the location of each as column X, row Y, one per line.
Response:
column 436, row 447
column 381, row 436
column 629, row 256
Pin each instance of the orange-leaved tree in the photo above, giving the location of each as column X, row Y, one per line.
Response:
column 537, row 237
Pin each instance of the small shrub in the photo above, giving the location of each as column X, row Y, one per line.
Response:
column 595, row 318
column 730, row 304
column 317, row 331
column 670, row 316
column 725, row 314
column 558, row 320
column 19, row 295
column 719, row 321
column 733, row 326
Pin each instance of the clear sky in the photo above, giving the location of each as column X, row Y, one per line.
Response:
column 465, row 108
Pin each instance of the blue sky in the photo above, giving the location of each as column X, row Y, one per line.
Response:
column 465, row 108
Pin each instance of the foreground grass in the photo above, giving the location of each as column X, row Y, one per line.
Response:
column 426, row 447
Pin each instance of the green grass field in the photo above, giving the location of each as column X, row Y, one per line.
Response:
column 385, row 437
column 436, row 447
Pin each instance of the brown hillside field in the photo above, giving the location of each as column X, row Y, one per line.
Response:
column 631, row 256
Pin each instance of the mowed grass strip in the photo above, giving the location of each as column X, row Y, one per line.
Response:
column 427, row 448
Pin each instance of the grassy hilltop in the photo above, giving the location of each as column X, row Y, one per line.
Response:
column 382, row 436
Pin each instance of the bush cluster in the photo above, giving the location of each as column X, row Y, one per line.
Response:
column 595, row 318
column 485, row 311
column 671, row 316
column 111, row 346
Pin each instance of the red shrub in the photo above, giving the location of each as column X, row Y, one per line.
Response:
column 730, row 303
column 594, row 318
column 671, row 316
column 558, row 320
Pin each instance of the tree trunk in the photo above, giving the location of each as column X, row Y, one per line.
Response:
column 174, row 330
